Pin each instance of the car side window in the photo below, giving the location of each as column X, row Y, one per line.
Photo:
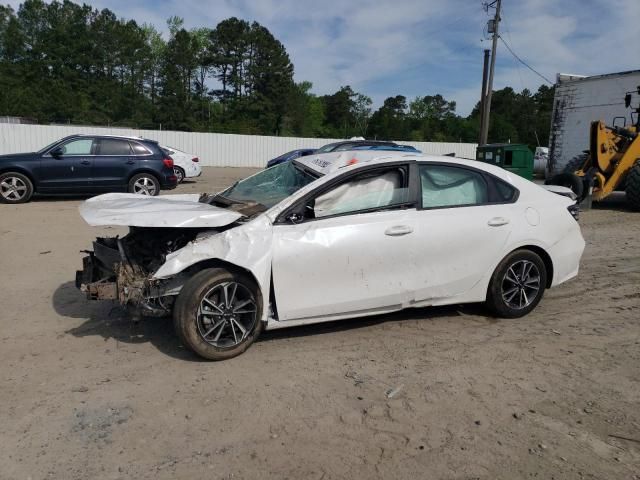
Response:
column 139, row 149
column 446, row 186
column 113, row 146
column 78, row 147
column 381, row 188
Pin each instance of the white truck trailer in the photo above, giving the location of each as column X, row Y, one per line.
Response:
column 578, row 101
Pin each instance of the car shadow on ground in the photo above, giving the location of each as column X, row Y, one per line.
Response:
column 110, row 321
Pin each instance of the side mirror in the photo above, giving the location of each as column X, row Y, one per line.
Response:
column 57, row 152
column 295, row 218
column 627, row 100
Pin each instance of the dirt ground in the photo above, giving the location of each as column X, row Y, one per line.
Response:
column 86, row 394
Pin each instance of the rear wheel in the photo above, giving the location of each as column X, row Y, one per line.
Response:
column 218, row 313
column 179, row 173
column 144, row 184
column 632, row 189
column 15, row 188
column 517, row 284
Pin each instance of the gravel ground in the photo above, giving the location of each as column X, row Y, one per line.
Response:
column 86, row 394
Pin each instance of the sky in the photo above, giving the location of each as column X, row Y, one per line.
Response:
column 384, row 48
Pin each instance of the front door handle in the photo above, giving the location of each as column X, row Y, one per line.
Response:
column 85, row 162
column 497, row 221
column 398, row 230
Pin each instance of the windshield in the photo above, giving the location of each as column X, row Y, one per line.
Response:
column 270, row 186
column 327, row 148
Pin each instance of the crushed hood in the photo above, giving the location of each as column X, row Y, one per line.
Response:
column 128, row 209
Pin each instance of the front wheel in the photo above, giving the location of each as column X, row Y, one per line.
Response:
column 218, row 313
column 144, row 184
column 517, row 284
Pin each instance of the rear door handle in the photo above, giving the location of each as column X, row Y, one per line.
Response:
column 398, row 230
column 497, row 221
column 85, row 162
column 130, row 162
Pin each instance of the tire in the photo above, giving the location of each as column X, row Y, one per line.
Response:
column 632, row 189
column 575, row 163
column 15, row 188
column 144, row 184
column 179, row 172
column 500, row 299
column 204, row 292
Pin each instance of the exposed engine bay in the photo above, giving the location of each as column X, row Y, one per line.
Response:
column 120, row 268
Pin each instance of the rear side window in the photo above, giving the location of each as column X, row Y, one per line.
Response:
column 113, row 146
column 139, row 149
column 445, row 186
column 504, row 191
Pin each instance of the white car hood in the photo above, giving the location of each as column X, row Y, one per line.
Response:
column 133, row 210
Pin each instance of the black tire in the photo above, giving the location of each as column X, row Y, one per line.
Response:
column 500, row 287
column 190, row 325
column 569, row 180
column 179, row 172
column 144, row 182
column 15, row 188
column 575, row 163
column 632, row 189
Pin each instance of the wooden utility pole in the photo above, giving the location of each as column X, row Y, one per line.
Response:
column 483, row 93
column 493, row 28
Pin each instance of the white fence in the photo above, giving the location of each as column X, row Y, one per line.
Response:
column 213, row 149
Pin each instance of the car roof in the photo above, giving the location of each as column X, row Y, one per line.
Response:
column 328, row 163
column 101, row 135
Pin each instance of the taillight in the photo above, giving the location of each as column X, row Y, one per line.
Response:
column 195, row 159
column 168, row 162
column 574, row 210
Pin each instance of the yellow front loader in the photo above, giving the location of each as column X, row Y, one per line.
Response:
column 611, row 163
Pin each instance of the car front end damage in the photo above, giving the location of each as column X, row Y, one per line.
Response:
column 122, row 269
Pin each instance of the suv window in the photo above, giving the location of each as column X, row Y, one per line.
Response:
column 78, row 147
column 445, row 186
column 369, row 190
column 139, row 149
column 113, row 146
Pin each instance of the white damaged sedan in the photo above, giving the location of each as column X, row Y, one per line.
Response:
column 328, row 237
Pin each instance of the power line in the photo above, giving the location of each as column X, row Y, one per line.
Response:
column 523, row 62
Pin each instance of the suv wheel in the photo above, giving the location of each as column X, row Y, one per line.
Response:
column 144, row 184
column 15, row 188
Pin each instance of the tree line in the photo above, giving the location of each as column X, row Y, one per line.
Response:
column 62, row 62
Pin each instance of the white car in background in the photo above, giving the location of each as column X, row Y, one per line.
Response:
column 185, row 165
column 332, row 236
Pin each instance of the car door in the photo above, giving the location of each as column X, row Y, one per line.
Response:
column 70, row 168
column 113, row 164
column 346, row 251
column 461, row 228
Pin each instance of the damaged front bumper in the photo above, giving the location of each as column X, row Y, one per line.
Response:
column 108, row 274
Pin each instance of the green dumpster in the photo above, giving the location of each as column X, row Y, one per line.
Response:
column 515, row 157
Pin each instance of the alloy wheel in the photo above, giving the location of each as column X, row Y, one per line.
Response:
column 227, row 315
column 178, row 173
column 144, row 186
column 13, row 189
column 521, row 284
